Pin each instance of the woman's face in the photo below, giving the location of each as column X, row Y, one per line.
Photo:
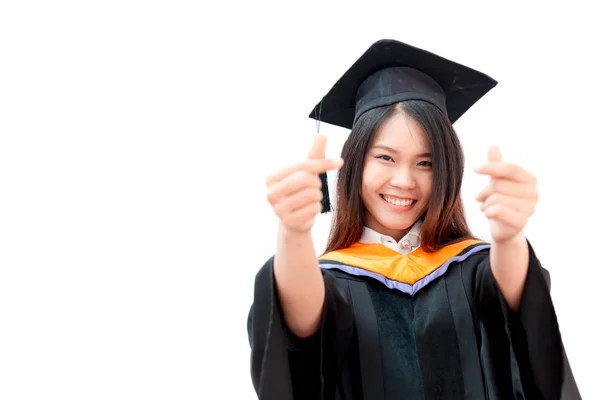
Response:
column 397, row 176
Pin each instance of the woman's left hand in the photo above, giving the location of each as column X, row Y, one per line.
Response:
column 510, row 198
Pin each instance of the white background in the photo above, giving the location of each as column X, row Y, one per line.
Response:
column 134, row 142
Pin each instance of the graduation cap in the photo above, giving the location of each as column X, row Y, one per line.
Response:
column 390, row 72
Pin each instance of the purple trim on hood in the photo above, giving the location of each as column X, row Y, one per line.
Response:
column 401, row 286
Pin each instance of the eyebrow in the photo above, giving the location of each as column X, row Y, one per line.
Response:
column 389, row 149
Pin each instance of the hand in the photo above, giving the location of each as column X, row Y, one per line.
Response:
column 510, row 198
column 295, row 192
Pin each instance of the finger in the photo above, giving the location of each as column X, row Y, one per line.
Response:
column 295, row 182
column 494, row 154
column 317, row 151
column 524, row 206
column 506, row 215
column 302, row 216
column 509, row 188
column 311, row 166
column 309, row 224
column 505, row 171
column 298, row 200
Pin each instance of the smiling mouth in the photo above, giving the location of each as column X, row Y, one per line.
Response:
column 397, row 201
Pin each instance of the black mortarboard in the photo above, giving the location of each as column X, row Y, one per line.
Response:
column 390, row 72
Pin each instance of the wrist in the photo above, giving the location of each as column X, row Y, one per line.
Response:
column 516, row 241
column 293, row 235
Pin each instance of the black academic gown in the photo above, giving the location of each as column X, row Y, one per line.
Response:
column 454, row 339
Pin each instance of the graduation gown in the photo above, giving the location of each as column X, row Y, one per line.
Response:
column 423, row 326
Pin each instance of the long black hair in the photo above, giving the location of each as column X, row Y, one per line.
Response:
column 444, row 218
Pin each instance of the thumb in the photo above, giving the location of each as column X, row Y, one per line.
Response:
column 494, row 154
column 317, row 151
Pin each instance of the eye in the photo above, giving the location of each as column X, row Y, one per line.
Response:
column 385, row 158
column 425, row 164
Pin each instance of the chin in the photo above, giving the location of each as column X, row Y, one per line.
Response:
column 400, row 226
column 393, row 223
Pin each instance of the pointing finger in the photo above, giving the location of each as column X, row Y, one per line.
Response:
column 312, row 166
column 509, row 188
column 502, row 170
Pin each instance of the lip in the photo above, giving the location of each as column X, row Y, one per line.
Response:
column 398, row 207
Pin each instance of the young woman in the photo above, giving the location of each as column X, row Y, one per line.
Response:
column 405, row 303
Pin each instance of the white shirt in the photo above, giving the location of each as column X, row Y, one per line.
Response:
column 409, row 243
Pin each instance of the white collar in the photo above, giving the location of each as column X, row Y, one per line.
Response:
column 410, row 242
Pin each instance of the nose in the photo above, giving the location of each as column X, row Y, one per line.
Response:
column 403, row 178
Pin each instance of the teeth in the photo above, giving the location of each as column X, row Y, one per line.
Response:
column 398, row 202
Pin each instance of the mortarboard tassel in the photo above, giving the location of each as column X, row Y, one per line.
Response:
column 325, row 203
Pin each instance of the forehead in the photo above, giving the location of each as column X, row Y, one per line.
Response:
column 402, row 133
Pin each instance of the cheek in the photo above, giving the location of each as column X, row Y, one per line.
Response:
column 367, row 180
column 374, row 177
column 425, row 184
column 366, row 186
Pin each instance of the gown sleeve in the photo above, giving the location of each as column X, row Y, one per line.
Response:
column 284, row 367
column 532, row 330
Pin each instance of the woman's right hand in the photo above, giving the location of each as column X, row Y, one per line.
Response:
column 295, row 192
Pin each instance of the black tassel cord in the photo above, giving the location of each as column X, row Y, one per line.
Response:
column 325, row 203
